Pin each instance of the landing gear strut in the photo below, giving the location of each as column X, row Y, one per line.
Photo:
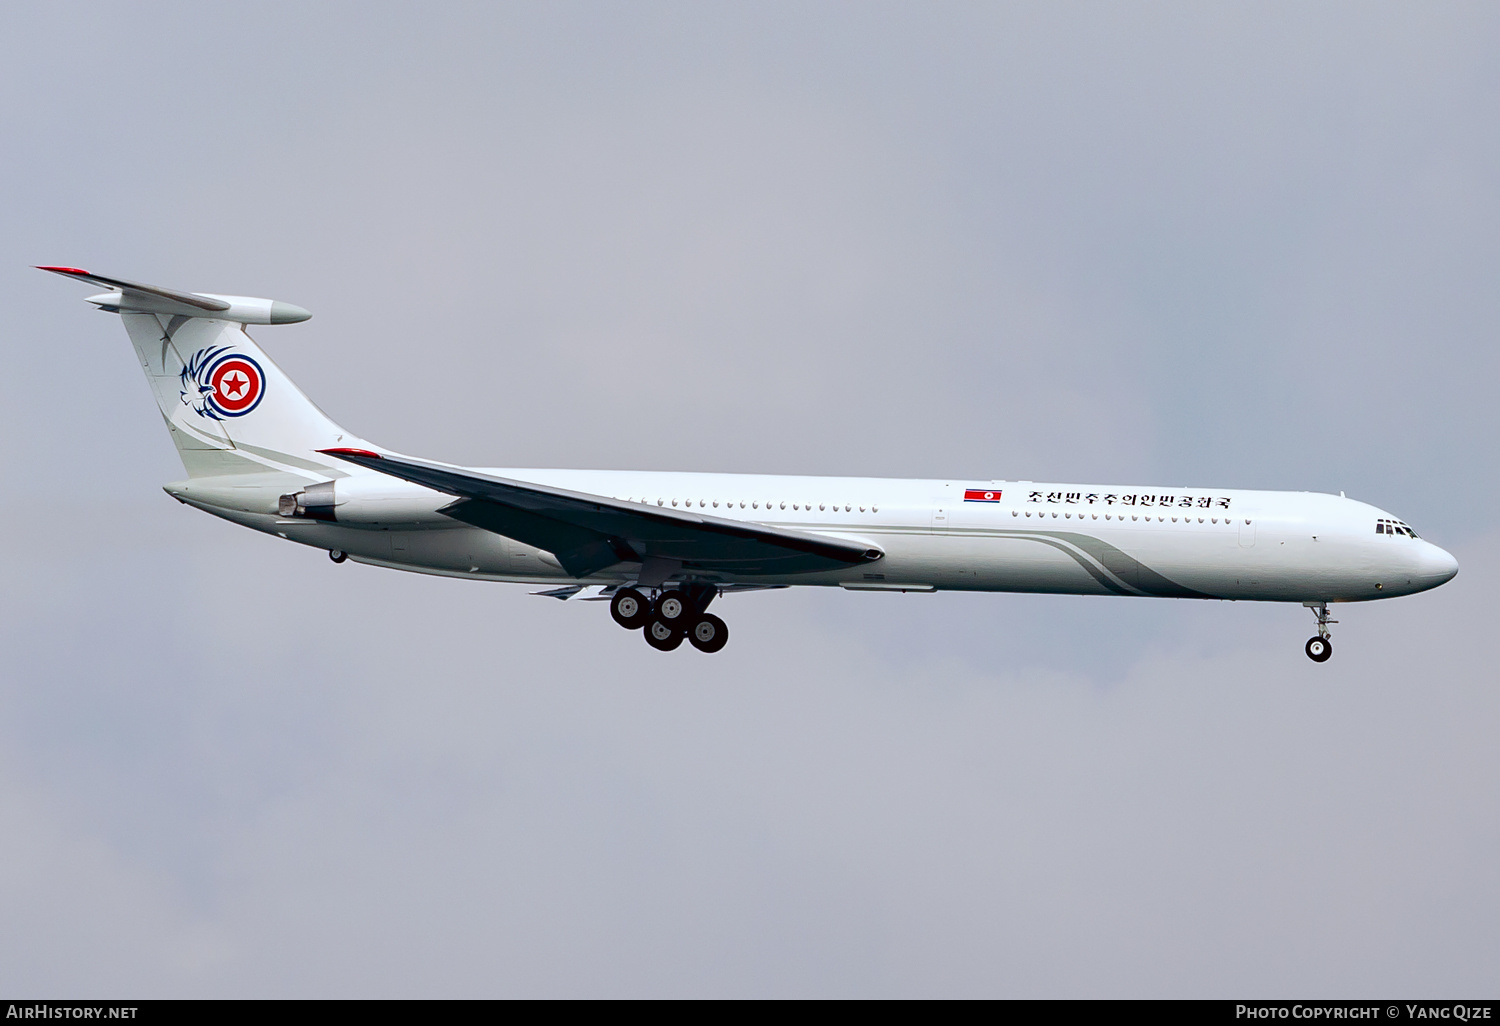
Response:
column 1319, row 648
column 672, row 617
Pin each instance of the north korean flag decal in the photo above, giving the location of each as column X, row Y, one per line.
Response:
column 981, row 495
column 235, row 385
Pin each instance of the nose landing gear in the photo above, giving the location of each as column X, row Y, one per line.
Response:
column 1319, row 649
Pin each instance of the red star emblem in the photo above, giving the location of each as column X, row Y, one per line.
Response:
column 234, row 384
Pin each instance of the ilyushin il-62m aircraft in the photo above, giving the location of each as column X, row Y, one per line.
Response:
column 660, row 547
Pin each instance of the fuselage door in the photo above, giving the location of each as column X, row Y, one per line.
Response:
column 942, row 509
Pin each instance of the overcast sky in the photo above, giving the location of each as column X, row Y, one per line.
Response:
column 1192, row 244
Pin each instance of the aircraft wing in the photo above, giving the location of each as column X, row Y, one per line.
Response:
column 590, row 532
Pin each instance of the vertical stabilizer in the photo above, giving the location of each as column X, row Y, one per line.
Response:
column 228, row 407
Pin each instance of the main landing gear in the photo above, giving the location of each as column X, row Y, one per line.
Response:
column 671, row 617
column 1319, row 648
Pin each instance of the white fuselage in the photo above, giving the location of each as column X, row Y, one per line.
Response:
column 1073, row 539
column 258, row 452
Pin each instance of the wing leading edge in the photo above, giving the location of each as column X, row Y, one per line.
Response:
column 590, row 532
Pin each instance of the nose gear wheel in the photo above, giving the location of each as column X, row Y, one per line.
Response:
column 1319, row 649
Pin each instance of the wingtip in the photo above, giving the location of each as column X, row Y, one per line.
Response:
column 62, row 270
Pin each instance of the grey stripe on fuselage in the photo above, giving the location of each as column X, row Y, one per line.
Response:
column 1121, row 573
column 1121, row 566
column 1119, row 563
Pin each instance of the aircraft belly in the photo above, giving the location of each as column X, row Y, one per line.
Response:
column 1210, row 563
column 315, row 533
column 1205, row 562
column 1276, row 568
column 460, row 548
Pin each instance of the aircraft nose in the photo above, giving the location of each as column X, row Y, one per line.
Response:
column 1438, row 565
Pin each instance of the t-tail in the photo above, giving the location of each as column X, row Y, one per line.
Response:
column 229, row 409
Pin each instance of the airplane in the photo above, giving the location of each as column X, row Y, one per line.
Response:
column 659, row 547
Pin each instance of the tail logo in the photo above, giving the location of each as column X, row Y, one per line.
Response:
column 219, row 383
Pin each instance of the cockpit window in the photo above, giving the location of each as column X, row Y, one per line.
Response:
column 1394, row 527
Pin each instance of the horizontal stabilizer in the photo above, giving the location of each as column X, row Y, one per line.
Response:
column 133, row 297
